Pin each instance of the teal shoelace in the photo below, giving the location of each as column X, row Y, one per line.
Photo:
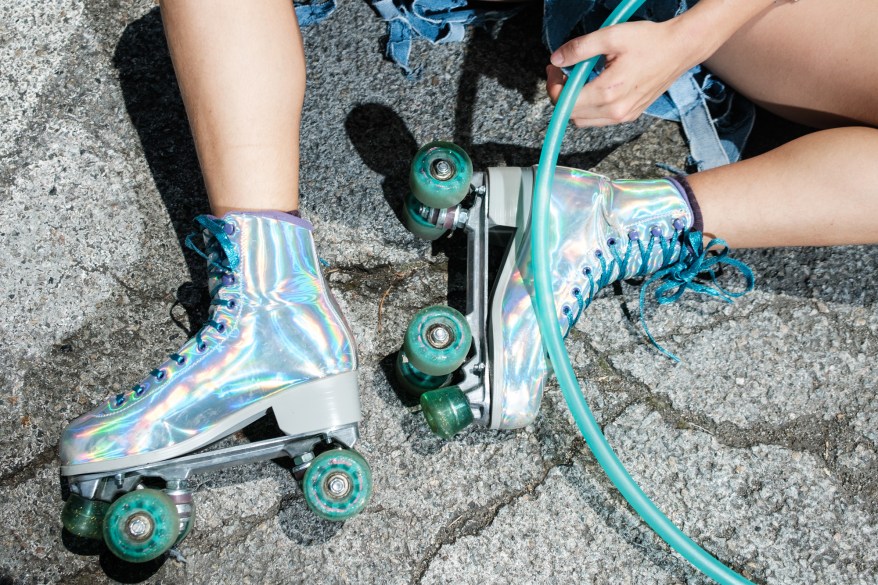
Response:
column 694, row 260
column 619, row 263
column 222, row 268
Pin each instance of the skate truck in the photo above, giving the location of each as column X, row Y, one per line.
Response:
column 275, row 341
column 441, row 345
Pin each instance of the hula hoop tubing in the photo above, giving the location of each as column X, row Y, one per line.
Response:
column 551, row 333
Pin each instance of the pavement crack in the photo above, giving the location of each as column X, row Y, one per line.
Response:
column 26, row 471
column 475, row 521
column 825, row 438
column 136, row 293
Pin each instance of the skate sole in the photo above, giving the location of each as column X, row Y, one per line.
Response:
column 515, row 394
column 310, row 408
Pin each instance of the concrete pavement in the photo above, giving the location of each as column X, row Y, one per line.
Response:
column 761, row 444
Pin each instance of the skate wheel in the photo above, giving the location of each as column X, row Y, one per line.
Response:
column 447, row 411
column 440, row 175
column 84, row 517
column 141, row 525
column 417, row 224
column 414, row 381
column 437, row 340
column 338, row 484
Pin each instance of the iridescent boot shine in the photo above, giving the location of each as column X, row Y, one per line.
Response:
column 602, row 231
column 276, row 339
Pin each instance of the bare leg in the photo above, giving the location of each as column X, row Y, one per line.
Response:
column 811, row 63
column 241, row 71
column 819, row 190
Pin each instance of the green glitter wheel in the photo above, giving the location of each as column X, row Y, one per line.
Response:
column 338, row 484
column 417, row 224
column 440, row 174
column 447, row 411
column 84, row 517
column 414, row 381
column 141, row 525
column 437, row 340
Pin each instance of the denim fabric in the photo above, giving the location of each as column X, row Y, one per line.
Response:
column 716, row 121
column 308, row 13
column 438, row 21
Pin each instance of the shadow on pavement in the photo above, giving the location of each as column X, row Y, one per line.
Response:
column 156, row 109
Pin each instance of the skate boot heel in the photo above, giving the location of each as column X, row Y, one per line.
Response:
column 313, row 407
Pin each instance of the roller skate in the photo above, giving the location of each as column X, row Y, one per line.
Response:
column 275, row 340
column 488, row 366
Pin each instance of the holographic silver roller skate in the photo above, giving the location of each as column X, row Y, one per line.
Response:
column 275, row 341
column 489, row 366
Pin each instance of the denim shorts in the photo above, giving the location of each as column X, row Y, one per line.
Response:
column 716, row 120
column 565, row 19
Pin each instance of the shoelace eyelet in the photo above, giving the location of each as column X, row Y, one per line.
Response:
column 221, row 327
column 611, row 241
column 566, row 309
column 139, row 390
column 586, row 271
column 233, row 304
column 181, row 360
column 201, row 347
column 228, row 279
column 120, row 400
column 160, row 375
column 577, row 291
column 230, row 228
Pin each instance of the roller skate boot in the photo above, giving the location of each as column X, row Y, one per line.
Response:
column 275, row 341
column 602, row 231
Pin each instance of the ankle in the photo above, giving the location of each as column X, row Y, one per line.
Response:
column 682, row 184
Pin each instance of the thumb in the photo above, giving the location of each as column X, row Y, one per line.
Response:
column 585, row 47
column 555, row 79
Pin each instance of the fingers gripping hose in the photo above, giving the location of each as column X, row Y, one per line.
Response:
column 551, row 333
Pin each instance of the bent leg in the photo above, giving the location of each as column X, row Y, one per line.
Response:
column 812, row 62
column 241, row 71
column 819, row 190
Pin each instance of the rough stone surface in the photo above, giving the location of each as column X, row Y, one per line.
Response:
column 761, row 444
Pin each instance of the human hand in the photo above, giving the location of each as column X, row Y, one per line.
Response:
column 643, row 60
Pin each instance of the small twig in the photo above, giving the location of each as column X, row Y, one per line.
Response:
column 400, row 276
column 692, row 424
column 381, row 304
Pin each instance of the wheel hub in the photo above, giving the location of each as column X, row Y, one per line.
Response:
column 139, row 527
column 439, row 336
column 442, row 169
column 338, row 485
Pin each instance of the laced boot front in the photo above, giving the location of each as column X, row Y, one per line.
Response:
column 273, row 334
column 602, row 231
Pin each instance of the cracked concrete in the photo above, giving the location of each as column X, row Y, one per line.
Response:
column 761, row 444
